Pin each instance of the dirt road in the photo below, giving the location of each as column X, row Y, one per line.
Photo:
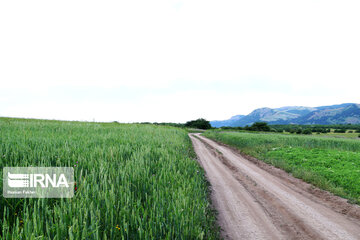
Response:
column 256, row 201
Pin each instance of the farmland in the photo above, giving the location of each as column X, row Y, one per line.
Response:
column 133, row 181
column 330, row 163
column 348, row 134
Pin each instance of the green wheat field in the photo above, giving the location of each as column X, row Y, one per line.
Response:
column 132, row 182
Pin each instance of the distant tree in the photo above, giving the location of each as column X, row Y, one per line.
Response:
column 307, row 131
column 198, row 123
column 299, row 131
column 317, row 129
column 340, row 131
column 259, row 126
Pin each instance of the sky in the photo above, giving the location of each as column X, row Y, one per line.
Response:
column 173, row 61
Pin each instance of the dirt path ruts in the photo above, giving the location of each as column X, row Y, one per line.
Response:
column 254, row 204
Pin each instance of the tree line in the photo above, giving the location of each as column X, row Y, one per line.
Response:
column 299, row 129
column 200, row 123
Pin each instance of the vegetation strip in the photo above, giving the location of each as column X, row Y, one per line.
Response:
column 331, row 164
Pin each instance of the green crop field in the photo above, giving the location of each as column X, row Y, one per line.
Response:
column 339, row 135
column 329, row 163
column 133, row 181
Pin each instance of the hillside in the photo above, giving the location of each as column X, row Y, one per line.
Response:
column 335, row 114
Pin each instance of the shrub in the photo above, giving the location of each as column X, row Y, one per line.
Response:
column 259, row 126
column 307, row 131
column 340, row 131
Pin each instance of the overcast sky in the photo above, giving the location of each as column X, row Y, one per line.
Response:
column 132, row 61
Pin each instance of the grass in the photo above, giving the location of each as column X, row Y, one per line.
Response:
column 332, row 164
column 134, row 182
column 340, row 135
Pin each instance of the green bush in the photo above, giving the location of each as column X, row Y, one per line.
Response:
column 340, row 131
column 259, row 126
column 307, row 131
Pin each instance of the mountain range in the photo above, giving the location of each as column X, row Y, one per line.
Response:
column 335, row 114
